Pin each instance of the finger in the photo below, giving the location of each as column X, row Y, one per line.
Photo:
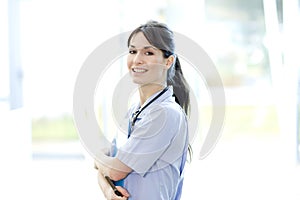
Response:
column 123, row 191
column 113, row 196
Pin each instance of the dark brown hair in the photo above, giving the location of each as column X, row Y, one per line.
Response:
column 161, row 37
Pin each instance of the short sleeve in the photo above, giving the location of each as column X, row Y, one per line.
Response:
column 151, row 137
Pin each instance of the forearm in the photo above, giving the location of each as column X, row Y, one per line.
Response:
column 112, row 167
column 107, row 190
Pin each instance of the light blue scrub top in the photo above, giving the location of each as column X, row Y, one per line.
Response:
column 156, row 150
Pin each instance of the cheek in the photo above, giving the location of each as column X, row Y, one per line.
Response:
column 162, row 65
column 129, row 62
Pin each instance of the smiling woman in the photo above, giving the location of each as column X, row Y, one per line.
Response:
column 151, row 162
column 146, row 63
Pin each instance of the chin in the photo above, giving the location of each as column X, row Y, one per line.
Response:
column 139, row 82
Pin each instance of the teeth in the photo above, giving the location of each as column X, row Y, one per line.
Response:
column 139, row 70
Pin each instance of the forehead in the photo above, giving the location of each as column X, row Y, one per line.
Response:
column 139, row 40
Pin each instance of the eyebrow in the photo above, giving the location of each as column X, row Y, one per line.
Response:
column 145, row 47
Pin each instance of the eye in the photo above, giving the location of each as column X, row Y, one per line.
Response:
column 132, row 51
column 149, row 53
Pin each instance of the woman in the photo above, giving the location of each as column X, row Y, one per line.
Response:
column 151, row 162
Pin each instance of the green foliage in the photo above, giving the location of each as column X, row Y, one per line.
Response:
column 258, row 121
column 60, row 128
column 240, row 120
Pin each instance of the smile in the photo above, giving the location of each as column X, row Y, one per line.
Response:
column 139, row 70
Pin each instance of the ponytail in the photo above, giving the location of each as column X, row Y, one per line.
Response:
column 181, row 88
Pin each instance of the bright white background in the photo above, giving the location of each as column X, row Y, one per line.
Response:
column 57, row 36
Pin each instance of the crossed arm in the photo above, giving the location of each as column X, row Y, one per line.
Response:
column 112, row 167
column 116, row 170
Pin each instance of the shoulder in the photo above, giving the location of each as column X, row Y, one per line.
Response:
column 168, row 110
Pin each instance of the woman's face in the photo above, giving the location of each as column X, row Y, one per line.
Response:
column 145, row 62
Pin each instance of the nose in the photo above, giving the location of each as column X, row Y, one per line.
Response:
column 138, row 58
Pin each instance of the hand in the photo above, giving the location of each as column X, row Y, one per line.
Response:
column 110, row 194
column 108, row 191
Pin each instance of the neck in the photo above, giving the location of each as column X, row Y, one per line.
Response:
column 147, row 91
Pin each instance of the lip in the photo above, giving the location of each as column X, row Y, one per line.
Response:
column 139, row 70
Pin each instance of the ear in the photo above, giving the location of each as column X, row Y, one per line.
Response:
column 170, row 61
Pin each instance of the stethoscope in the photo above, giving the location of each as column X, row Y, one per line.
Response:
column 138, row 112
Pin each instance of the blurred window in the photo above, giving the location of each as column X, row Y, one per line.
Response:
column 4, row 66
column 237, row 41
